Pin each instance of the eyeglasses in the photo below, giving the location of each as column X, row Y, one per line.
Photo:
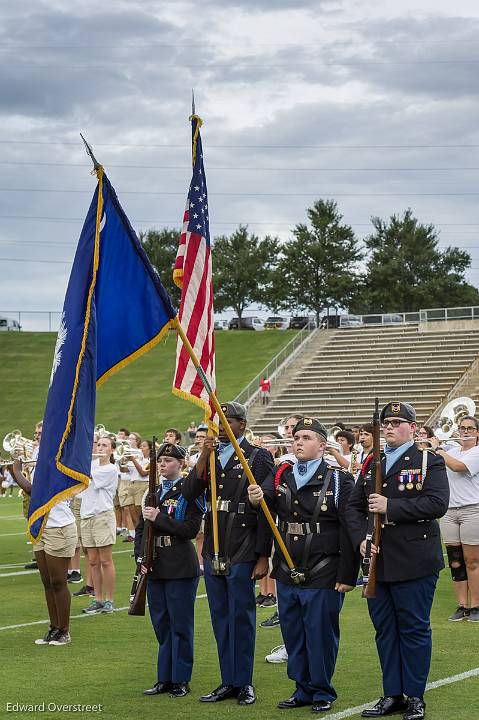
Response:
column 467, row 428
column 395, row 423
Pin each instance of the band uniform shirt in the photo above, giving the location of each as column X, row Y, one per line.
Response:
column 60, row 515
column 330, row 545
column 175, row 526
column 464, row 486
column 98, row 496
column 410, row 537
column 238, row 525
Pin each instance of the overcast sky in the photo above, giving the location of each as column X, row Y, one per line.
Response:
column 373, row 103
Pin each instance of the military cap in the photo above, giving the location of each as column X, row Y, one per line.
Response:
column 399, row 410
column 203, row 426
column 170, row 450
column 234, row 410
column 308, row 423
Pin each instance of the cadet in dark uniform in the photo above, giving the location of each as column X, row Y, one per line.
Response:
column 310, row 500
column 415, row 494
column 231, row 596
column 172, row 584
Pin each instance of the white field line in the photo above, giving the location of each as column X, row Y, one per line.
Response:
column 72, row 617
column 430, row 686
column 18, row 572
column 12, row 517
column 12, row 534
column 26, row 572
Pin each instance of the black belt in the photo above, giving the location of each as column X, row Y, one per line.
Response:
column 295, row 528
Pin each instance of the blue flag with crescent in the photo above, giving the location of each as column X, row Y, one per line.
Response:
column 110, row 271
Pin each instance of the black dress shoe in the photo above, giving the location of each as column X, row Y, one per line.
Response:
column 179, row 689
column 246, row 695
column 291, row 703
column 416, row 708
column 386, row 706
column 222, row 692
column 159, row 688
column 322, row 705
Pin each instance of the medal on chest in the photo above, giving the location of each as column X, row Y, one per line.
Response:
column 408, row 479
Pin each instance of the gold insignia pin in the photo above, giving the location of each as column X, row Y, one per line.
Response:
column 168, row 449
column 224, row 408
column 395, row 407
column 307, row 422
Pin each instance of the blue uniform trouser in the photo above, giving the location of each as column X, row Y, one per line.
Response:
column 309, row 619
column 233, row 615
column 400, row 614
column 172, row 611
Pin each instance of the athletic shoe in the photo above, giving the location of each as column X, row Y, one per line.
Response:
column 268, row 601
column 85, row 590
column 31, row 565
column 473, row 614
column 259, row 598
column 75, row 577
column 47, row 637
column 94, row 608
column 129, row 538
column 61, row 637
column 271, row 622
column 107, row 607
column 462, row 613
column 277, row 655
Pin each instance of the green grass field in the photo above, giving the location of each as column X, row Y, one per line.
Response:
column 112, row 658
column 139, row 396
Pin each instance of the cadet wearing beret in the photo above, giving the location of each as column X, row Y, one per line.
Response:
column 415, row 494
column 310, row 499
column 231, row 597
column 172, row 583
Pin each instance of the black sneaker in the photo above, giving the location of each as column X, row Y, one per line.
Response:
column 462, row 613
column 47, row 637
column 473, row 615
column 269, row 601
column 259, row 598
column 61, row 637
column 75, row 577
column 85, row 590
column 31, row 565
column 271, row 622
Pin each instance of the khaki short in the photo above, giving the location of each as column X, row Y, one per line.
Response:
column 116, row 501
column 58, row 541
column 138, row 489
column 75, row 508
column 99, row 530
column 125, row 495
column 460, row 526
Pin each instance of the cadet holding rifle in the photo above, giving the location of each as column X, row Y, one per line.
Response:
column 172, row 573
column 415, row 493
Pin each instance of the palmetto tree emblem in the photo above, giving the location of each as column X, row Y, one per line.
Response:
column 57, row 354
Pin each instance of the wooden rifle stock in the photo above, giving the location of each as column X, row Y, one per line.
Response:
column 373, row 536
column 138, row 588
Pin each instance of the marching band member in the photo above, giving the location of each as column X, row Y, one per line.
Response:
column 231, row 596
column 310, row 499
column 172, row 584
column 98, row 526
column 415, row 494
column 138, row 476
column 53, row 553
column 123, row 495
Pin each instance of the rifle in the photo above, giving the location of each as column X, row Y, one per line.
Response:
column 138, row 588
column 373, row 535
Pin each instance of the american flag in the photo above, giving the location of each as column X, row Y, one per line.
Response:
column 193, row 274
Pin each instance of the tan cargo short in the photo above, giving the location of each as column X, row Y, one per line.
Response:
column 58, row 541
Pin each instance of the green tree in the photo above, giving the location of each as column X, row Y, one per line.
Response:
column 161, row 247
column 242, row 266
column 407, row 271
column 317, row 267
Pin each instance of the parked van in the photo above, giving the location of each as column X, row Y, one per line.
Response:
column 7, row 325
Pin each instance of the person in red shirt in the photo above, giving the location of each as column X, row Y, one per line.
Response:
column 265, row 389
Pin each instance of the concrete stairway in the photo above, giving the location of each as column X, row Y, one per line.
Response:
column 339, row 380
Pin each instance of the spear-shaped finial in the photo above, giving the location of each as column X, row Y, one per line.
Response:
column 89, row 151
column 193, row 112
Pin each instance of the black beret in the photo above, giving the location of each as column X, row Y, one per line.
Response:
column 399, row 410
column 308, row 423
column 170, row 450
column 234, row 410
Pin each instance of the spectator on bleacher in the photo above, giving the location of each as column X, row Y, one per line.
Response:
column 460, row 525
column 172, row 436
column 98, row 527
column 264, row 390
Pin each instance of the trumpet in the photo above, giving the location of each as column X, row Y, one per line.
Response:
column 19, row 447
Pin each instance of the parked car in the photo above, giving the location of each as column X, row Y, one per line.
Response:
column 247, row 323
column 350, row 321
column 298, row 322
column 221, row 325
column 390, row 319
column 276, row 322
column 7, row 325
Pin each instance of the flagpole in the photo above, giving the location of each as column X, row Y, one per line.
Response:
column 296, row 576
